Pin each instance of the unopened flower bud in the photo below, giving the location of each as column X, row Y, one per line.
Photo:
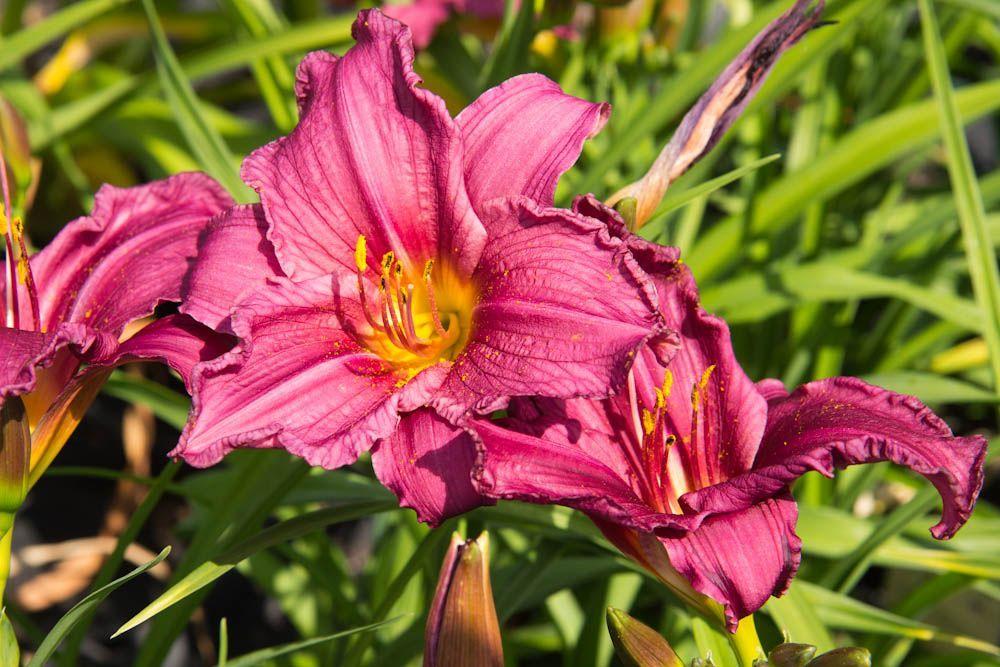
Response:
column 791, row 655
column 637, row 644
column 462, row 627
column 844, row 657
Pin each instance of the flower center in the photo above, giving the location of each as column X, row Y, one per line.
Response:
column 415, row 323
column 663, row 472
column 17, row 270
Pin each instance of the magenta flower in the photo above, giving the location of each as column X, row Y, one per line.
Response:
column 424, row 17
column 688, row 472
column 404, row 269
column 78, row 300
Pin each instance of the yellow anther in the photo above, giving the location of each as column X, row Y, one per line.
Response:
column 668, row 384
column 705, row 376
column 700, row 387
column 399, row 270
column 648, row 422
column 388, row 259
column 361, row 254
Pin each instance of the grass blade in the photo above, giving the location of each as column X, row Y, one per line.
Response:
column 205, row 141
column 211, row 570
column 979, row 251
column 25, row 42
column 273, row 652
column 83, row 608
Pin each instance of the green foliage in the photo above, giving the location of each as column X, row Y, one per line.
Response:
column 841, row 227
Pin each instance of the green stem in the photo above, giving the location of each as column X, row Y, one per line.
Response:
column 5, row 544
column 745, row 642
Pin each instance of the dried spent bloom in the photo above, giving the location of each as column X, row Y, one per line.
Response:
column 405, row 269
column 462, row 627
column 718, row 108
column 688, row 472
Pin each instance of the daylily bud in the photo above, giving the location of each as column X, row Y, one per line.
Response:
column 637, row 644
column 15, row 453
column 791, row 655
column 462, row 627
column 844, row 657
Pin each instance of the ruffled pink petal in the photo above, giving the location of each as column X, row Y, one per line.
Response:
column 522, row 135
column 839, row 422
column 427, row 462
column 518, row 466
column 372, row 155
column 742, row 558
column 423, row 17
column 23, row 353
column 560, row 313
column 597, row 427
column 175, row 340
column 297, row 379
column 234, row 259
column 132, row 252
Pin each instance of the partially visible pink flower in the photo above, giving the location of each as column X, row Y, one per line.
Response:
column 405, row 269
column 424, row 17
column 688, row 472
column 71, row 310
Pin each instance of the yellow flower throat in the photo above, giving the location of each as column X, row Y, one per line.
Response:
column 415, row 324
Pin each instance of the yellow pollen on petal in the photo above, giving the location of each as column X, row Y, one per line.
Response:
column 361, row 253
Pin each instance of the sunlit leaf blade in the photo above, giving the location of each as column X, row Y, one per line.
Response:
column 202, row 137
column 674, row 199
column 855, row 156
column 793, row 614
column 23, row 43
column 66, row 623
column 979, row 251
column 840, row 611
column 273, row 652
column 211, row 570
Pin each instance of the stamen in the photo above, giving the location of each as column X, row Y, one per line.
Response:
column 25, row 276
column 408, row 312
column 361, row 261
column 388, row 327
column 12, row 308
column 432, row 301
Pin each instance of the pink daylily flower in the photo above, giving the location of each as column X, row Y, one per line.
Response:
column 404, row 269
column 688, row 472
column 78, row 301
column 424, row 17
